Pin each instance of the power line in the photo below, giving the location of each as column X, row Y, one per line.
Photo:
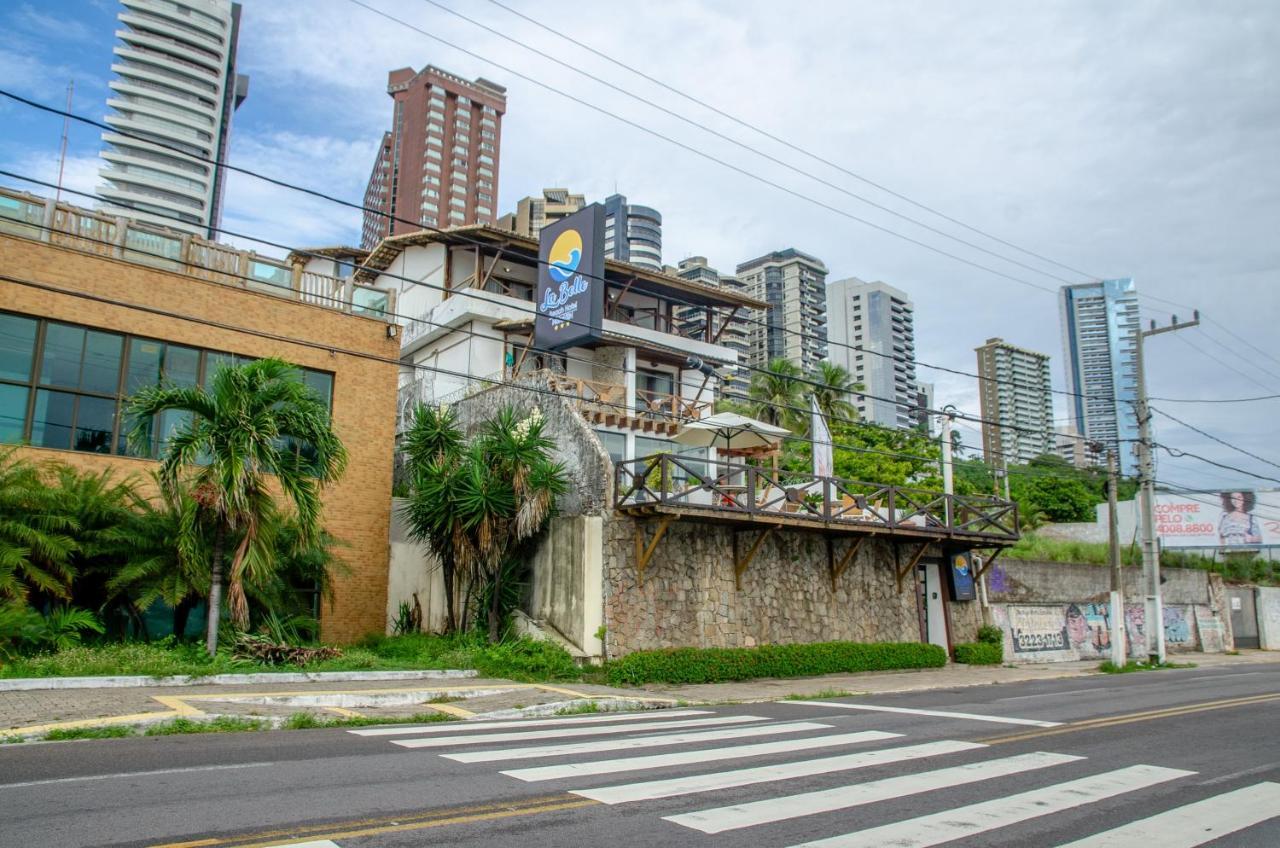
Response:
column 1226, row 365
column 462, row 237
column 1215, row 438
column 1177, row 454
column 736, row 142
column 479, row 294
column 754, row 128
column 1216, row 400
column 1223, row 327
column 699, row 152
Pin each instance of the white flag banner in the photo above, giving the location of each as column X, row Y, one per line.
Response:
column 823, row 461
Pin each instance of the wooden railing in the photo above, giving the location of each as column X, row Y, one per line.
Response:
column 612, row 398
column 735, row 489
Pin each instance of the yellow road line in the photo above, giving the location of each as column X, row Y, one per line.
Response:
column 450, row 709
column 222, row 696
column 343, row 711
column 393, row 824
column 1129, row 718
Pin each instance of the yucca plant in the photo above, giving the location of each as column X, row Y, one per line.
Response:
column 252, row 424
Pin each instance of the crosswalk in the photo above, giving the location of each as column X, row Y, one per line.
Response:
column 767, row 761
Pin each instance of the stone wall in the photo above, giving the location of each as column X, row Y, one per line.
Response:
column 1027, row 581
column 689, row 597
column 1268, row 607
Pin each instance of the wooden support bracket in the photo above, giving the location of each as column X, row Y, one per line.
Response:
column 740, row 565
column 645, row 553
column 838, row 568
column 987, row 564
column 911, row 565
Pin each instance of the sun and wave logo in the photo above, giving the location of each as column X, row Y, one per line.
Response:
column 566, row 253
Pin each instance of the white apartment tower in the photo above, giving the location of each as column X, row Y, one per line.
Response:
column 794, row 327
column 175, row 90
column 872, row 331
column 1099, row 337
column 1017, row 408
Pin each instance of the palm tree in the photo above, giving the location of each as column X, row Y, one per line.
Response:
column 250, row 423
column 776, row 393
column 36, row 545
column 835, row 385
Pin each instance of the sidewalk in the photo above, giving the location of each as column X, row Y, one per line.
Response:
column 34, row 712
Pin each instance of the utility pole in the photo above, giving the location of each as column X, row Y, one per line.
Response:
column 1147, row 482
column 948, row 415
column 1119, row 656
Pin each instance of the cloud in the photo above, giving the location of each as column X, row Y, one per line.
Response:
column 50, row 26
column 79, row 174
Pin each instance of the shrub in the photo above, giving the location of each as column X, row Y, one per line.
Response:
column 715, row 665
column 979, row 653
column 991, row 634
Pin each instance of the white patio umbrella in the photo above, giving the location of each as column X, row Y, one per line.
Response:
column 730, row 431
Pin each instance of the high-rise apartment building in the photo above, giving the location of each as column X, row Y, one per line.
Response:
column 872, row 329
column 692, row 320
column 534, row 213
column 1099, row 336
column 1017, row 407
column 794, row 327
column 438, row 165
column 924, row 405
column 632, row 233
column 175, row 90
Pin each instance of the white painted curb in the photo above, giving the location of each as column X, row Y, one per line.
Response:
column 27, row 684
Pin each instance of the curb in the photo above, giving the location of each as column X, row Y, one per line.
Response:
column 28, row 684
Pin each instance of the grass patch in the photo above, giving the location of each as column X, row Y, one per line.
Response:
column 821, row 693
column 1109, row 667
column 1241, row 569
column 580, row 709
column 518, row 659
column 12, row 740
column 311, row 721
column 221, row 724
column 68, row 733
column 715, row 665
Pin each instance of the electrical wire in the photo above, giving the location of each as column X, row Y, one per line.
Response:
column 1178, row 454
column 1215, row 400
column 1214, row 438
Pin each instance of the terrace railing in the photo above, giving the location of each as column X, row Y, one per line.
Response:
column 737, row 490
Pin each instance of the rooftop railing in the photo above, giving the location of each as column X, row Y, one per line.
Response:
column 98, row 233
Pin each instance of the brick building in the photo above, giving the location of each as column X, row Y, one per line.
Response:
column 87, row 318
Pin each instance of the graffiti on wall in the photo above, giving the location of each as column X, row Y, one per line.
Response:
column 1083, row 631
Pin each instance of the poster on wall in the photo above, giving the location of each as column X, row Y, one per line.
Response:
column 960, row 575
column 570, row 296
column 1238, row 519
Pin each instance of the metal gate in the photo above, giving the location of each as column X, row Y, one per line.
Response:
column 1244, row 617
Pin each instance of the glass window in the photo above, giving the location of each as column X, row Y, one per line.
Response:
column 17, row 347
column 60, row 364
column 145, row 357
column 54, row 415
column 95, row 422
column 614, row 443
column 13, row 412
column 181, row 365
column 321, row 382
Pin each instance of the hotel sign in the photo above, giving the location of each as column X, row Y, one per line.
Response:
column 570, row 295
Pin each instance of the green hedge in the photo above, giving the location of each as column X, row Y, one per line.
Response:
column 715, row 665
column 979, row 653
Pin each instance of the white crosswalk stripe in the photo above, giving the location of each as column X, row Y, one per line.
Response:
column 661, row 740
column 691, row 784
column 470, row 726
column 770, row 810
column 979, row 818
column 1031, row 722
column 563, row 732
column 682, row 758
column 1194, row 824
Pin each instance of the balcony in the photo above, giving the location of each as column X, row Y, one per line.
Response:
column 728, row 492
column 101, row 234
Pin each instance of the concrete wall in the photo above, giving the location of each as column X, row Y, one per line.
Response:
column 1054, row 612
column 413, row 570
column 566, row 584
column 1268, row 605
column 689, row 597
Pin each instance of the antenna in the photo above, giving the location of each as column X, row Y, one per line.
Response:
column 62, row 155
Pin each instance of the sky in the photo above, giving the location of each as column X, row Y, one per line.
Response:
column 1137, row 139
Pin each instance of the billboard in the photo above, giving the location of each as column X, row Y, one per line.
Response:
column 960, row 576
column 1237, row 519
column 570, row 296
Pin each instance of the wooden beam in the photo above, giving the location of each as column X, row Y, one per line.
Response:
column 612, row 310
column 988, row 562
column 487, row 274
column 727, row 322
column 838, row 568
column 911, row 565
column 645, row 553
column 740, row 566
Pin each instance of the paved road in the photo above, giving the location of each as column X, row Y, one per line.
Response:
column 1161, row 760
